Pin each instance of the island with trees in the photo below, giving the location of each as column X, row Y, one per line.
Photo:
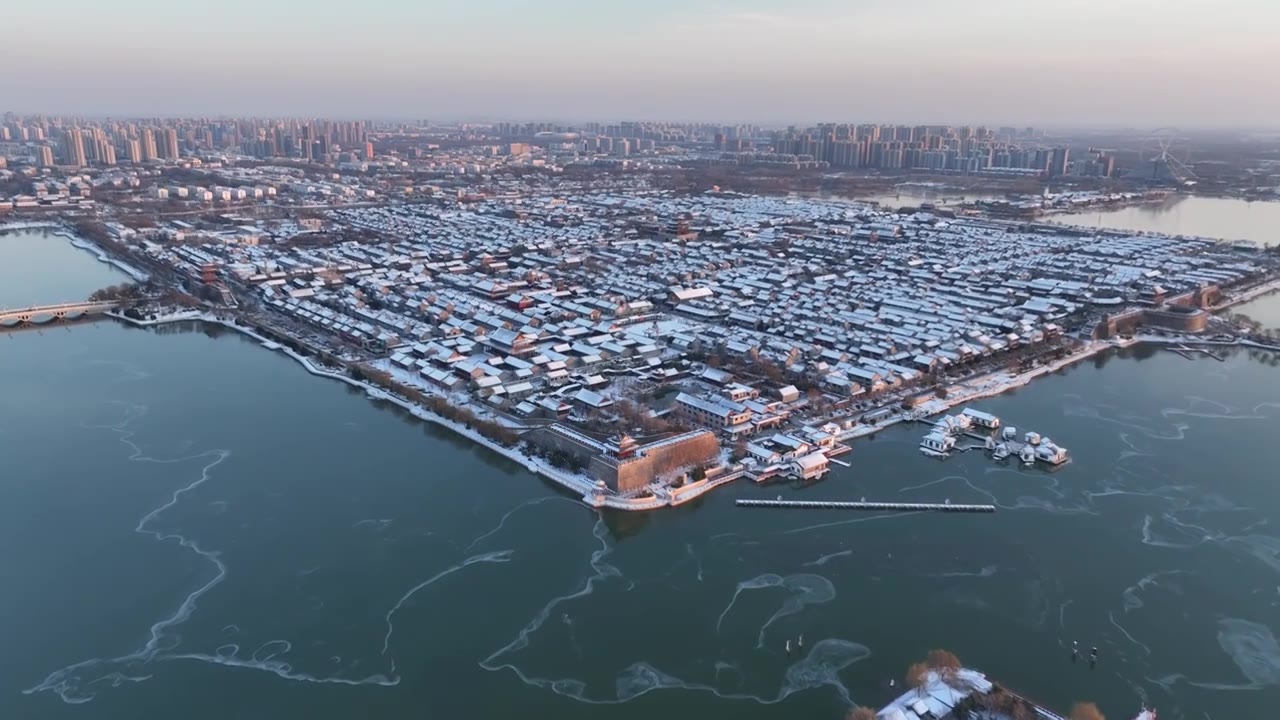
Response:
column 939, row 686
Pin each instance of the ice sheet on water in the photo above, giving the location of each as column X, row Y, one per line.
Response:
column 1252, row 648
column 804, row 588
column 1264, row 547
column 821, row 666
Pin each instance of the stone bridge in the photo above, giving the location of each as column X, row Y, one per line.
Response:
column 50, row 313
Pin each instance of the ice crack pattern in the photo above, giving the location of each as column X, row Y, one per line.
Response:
column 78, row 683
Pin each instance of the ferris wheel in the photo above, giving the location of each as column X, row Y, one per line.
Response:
column 1164, row 156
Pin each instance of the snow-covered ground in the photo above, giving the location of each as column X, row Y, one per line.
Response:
column 131, row 271
column 667, row 325
column 165, row 317
column 31, row 225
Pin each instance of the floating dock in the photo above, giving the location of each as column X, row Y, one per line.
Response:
column 1001, row 442
column 1187, row 352
column 864, row 505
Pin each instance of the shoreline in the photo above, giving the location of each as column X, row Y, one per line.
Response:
column 1252, row 293
column 103, row 256
column 984, row 387
column 1063, row 217
column 989, row 386
column 32, row 225
column 1157, row 340
column 970, row 391
column 578, row 484
column 80, row 243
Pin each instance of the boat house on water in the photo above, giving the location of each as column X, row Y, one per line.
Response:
column 981, row 419
column 811, row 466
column 938, row 442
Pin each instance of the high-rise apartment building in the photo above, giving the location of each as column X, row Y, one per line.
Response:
column 148, row 142
column 44, row 156
column 73, row 147
column 1042, row 159
column 1058, row 162
column 103, row 152
column 170, row 145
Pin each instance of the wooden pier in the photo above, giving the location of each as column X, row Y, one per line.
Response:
column 1187, row 352
column 864, row 505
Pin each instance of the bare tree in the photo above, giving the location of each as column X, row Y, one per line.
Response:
column 943, row 660
column 1086, row 711
column 768, row 368
column 945, row 663
column 861, row 713
column 1022, row 710
column 1000, row 702
column 918, row 676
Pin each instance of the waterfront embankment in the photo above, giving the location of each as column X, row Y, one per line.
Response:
column 998, row 383
column 31, row 225
column 62, row 230
column 103, row 256
column 578, row 484
column 963, row 393
column 983, row 387
column 1245, row 296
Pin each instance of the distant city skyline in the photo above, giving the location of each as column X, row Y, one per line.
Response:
column 1141, row 63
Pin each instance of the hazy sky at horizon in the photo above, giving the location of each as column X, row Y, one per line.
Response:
column 1051, row 62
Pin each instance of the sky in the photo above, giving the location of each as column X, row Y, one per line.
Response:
column 1139, row 63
